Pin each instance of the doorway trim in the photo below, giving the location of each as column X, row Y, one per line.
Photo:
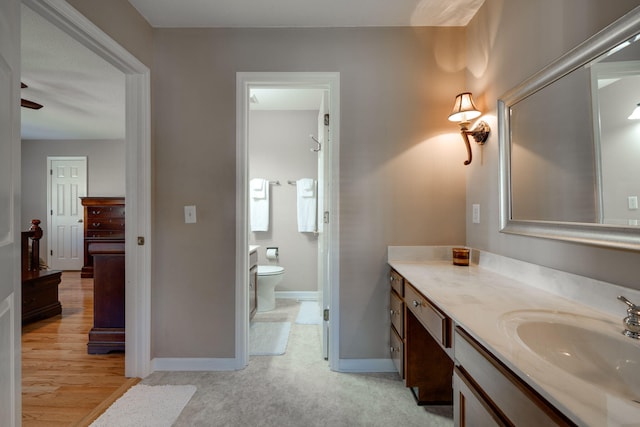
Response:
column 244, row 82
column 138, row 171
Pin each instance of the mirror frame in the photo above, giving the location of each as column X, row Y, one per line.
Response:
column 585, row 233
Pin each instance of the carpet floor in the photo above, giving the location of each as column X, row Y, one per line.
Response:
column 298, row 389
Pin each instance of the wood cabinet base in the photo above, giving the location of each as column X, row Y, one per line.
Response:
column 105, row 340
column 428, row 369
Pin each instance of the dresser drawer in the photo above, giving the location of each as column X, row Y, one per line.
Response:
column 397, row 352
column 397, row 282
column 105, row 212
column 438, row 325
column 396, row 312
column 105, row 224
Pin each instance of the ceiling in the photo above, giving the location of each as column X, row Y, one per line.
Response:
column 306, row 13
column 84, row 96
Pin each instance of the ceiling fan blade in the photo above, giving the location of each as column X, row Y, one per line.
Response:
column 30, row 104
column 26, row 103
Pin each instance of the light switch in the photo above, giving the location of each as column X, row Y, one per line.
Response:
column 190, row 214
column 633, row 202
column 476, row 214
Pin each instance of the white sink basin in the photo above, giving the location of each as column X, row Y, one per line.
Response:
column 590, row 349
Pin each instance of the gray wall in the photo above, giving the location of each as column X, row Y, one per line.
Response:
column 401, row 172
column 105, row 173
column 279, row 150
column 507, row 42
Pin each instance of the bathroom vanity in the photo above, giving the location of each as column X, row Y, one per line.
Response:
column 524, row 345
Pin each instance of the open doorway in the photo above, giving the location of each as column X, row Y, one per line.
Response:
column 137, row 169
column 328, row 187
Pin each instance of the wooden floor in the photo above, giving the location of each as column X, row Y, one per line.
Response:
column 61, row 383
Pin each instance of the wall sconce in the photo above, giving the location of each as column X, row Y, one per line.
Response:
column 635, row 115
column 464, row 110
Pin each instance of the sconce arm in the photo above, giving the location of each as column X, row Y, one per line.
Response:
column 465, row 138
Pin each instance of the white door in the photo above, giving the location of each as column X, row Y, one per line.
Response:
column 65, row 229
column 9, row 212
column 323, row 228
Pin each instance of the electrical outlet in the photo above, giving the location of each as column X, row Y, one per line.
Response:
column 190, row 214
column 476, row 214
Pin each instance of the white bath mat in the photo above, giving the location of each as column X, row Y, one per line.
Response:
column 147, row 406
column 268, row 338
column 309, row 313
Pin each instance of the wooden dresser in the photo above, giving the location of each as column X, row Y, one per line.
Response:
column 103, row 222
column 108, row 332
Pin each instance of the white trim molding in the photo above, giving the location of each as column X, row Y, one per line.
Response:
column 138, row 170
column 244, row 82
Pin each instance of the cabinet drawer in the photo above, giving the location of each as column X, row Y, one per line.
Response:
column 396, row 312
column 438, row 325
column 105, row 211
column 517, row 402
column 111, row 234
column 397, row 352
column 105, row 224
column 397, row 282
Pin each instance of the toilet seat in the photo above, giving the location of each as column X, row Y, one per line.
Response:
column 270, row 270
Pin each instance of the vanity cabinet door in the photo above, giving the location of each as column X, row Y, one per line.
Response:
column 470, row 409
column 516, row 401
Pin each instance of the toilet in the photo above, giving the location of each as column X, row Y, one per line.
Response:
column 268, row 277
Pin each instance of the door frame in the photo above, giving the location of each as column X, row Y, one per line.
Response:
column 244, row 82
column 138, row 171
column 50, row 233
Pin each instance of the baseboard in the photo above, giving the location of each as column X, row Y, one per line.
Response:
column 192, row 364
column 366, row 365
column 299, row 295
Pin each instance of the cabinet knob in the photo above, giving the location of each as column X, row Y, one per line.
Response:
column 394, row 349
column 416, row 303
column 391, row 279
column 392, row 312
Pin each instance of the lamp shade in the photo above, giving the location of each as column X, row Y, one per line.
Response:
column 635, row 115
column 464, row 109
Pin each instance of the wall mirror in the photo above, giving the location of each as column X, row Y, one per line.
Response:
column 569, row 151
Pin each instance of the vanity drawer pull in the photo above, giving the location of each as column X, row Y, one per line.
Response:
column 417, row 303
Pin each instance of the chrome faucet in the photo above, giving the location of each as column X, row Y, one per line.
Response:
column 632, row 321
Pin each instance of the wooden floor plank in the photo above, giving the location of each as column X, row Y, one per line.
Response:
column 63, row 385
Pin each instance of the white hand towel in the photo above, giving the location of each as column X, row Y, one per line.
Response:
column 306, row 203
column 257, row 188
column 259, row 204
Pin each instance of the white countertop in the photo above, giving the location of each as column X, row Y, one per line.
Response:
column 482, row 301
column 253, row 248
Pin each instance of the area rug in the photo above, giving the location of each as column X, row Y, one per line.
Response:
column 309, row 313
column 268, row 338
column 143, row 405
